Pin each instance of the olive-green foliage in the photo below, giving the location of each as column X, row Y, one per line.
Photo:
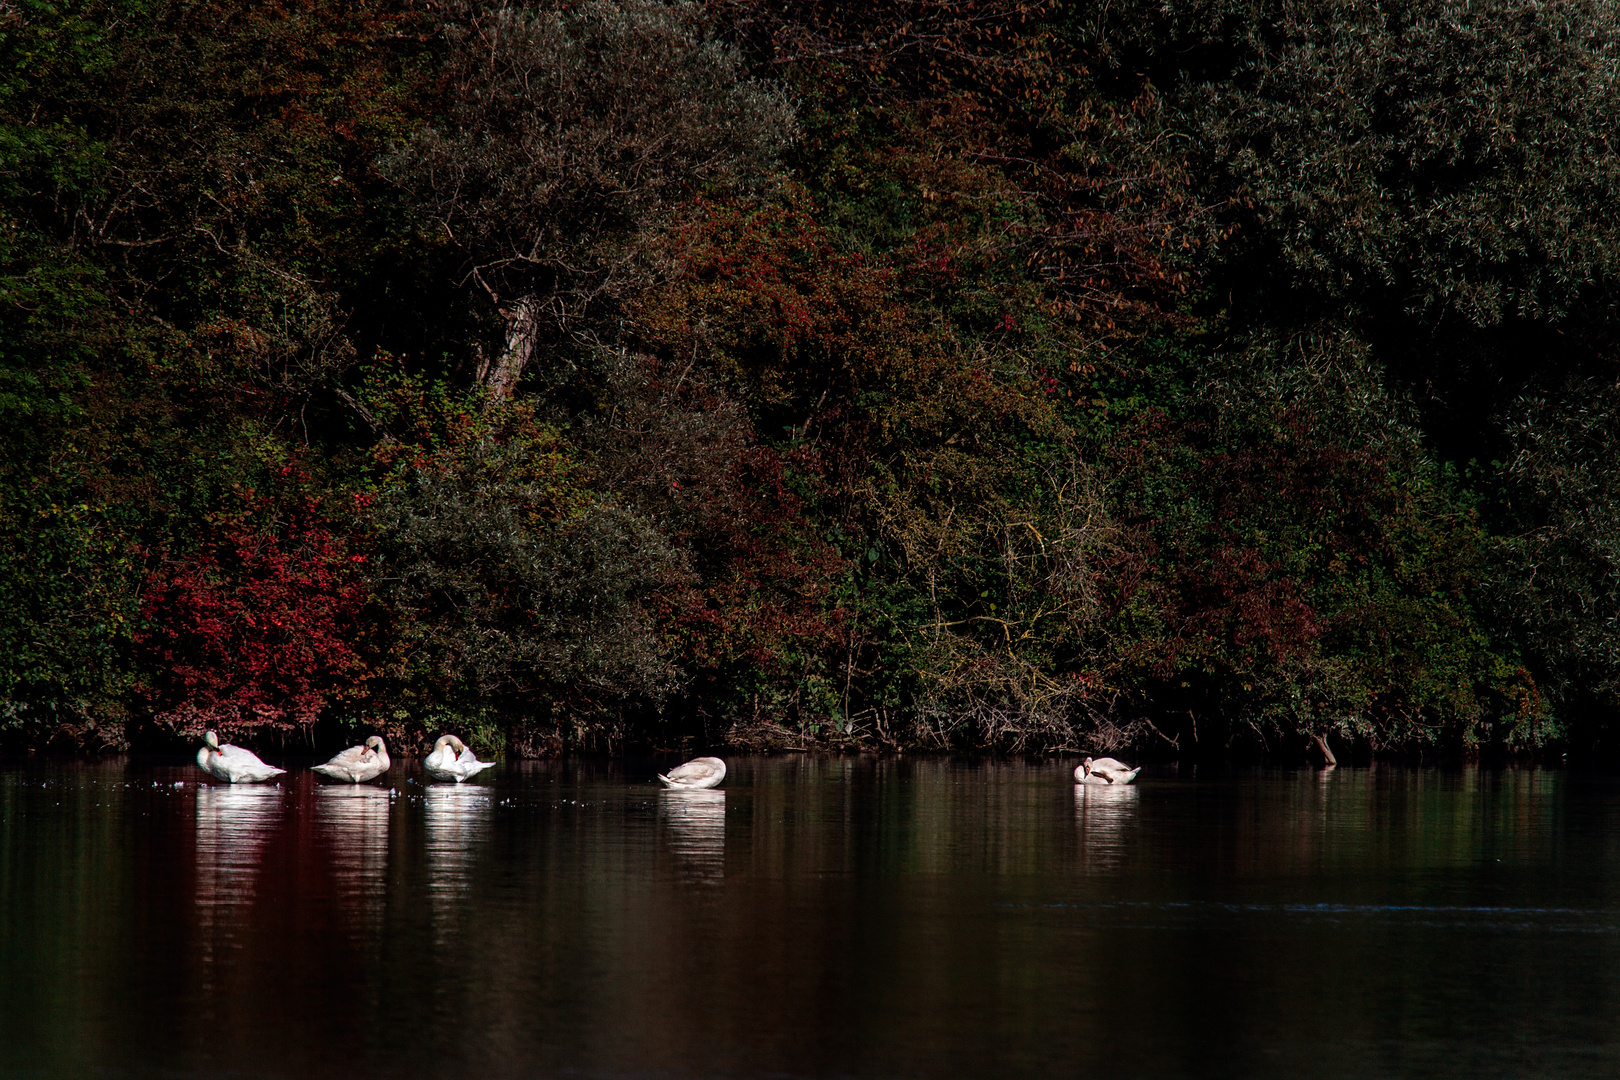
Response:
column 1427, row 157
column 68, row 590
column 570, row 134
column 1303, row 562
column 514, row 586
column 1017, row 649
column 1434, row 179
column 64, row 579
column 1349, row 560
column 1556, row 560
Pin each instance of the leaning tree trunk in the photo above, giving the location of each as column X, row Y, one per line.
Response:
column 522, row 328
column 1323, row 754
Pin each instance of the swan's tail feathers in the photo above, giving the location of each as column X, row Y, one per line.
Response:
column 667, row 782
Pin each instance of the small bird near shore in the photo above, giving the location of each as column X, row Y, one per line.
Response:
column 1104, row 771
column 358, row 764
column 233, row 764
column 703, row 772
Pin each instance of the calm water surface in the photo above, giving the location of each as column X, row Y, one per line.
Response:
column 818, row 917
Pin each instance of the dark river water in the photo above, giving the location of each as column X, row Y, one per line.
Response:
column 816, row 917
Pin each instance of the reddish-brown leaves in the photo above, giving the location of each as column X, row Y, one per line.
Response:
column 258, row 628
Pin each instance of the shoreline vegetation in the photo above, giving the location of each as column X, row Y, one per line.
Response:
column 1186, row 378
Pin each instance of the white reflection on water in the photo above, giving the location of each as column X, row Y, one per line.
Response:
column 696, row 824
column 234, row 823
column 1104, row 815
column 457, row 818
column 355, row 819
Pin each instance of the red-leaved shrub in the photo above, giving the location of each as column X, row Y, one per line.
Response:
column 258, row 628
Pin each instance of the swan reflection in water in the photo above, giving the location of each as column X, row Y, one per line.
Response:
column 457, row 818
column 1104, row 815
column 696, row 824
column 234, row 823
column 354, row 819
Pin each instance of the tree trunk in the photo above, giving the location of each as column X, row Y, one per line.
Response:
column 522, row 327
column 1323, row 754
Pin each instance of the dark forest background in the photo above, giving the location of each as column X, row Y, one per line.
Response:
column 1189, row 376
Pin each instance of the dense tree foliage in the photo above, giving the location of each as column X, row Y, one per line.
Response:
column 993, row 374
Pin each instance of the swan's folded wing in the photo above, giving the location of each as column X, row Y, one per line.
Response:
column 238, row 756
column 249, row 772
column 352, row 758
column 1118, row 779
column 469, row 765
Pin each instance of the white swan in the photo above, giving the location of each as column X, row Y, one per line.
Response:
column 1104, row 771
column 703, row 772
column 452, row 759
column 358, row 764
column 232, row 763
